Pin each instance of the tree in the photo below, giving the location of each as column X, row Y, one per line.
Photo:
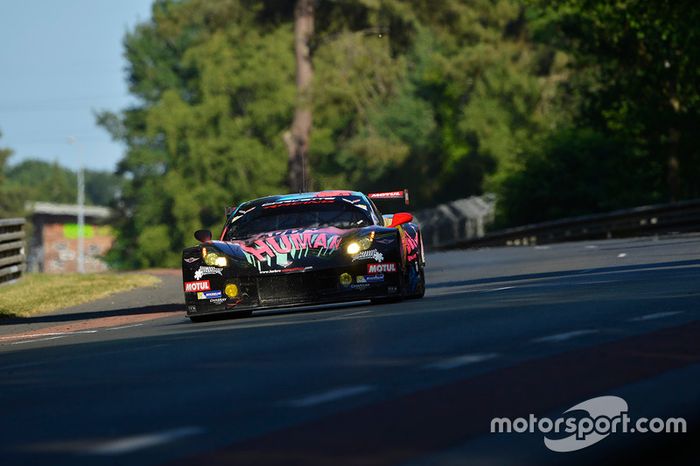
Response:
column 216, row 88
column 440, row 97
column 644, row 58
column 297, row 138
column 11, row 198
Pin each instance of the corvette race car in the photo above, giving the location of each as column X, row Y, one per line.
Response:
column 302, row 249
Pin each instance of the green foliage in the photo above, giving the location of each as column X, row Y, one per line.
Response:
column 563, row 107
column 38, row 180
column 217, row 90
column 443, row 102
column 635, row 80
column 11, row 202
column 588, row 171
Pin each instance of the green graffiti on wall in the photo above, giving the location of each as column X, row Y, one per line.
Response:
column 70, row 231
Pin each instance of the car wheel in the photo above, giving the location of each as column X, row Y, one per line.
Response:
column 420, row 287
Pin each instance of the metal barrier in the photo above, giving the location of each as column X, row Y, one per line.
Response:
column 12, row 258
column 446, row 225
column 639, row 221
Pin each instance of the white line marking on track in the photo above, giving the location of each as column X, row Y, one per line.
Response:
column 564, row 336
column 457, row 361
column 658, row 315
column 139, row 442
column 21, row 342
column 330, row 395
column 499, row 289
column 622, row 254
column 356, row 313
column 123, row 326
column 47, row 334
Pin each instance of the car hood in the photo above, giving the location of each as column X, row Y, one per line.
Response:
column 282, row 249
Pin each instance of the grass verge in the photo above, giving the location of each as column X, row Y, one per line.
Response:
column 41, row 293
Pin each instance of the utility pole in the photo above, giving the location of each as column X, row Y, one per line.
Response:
column 81, row 206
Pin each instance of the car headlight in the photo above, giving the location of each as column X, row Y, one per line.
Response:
column 361, row 244
column 214, row 258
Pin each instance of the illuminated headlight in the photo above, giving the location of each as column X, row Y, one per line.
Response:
column 214, row 259
column 361, row 244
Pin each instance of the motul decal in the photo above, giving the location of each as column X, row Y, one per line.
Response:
column 385, row 267
column 387, row 195
column 201, row 285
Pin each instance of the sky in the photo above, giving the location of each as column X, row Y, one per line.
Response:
column 60, row 61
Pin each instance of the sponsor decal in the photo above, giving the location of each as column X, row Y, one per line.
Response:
column 217, row 301
column 333, row 193
column 345, row 279
column 369, row 254
column 370, row 278
column 587, row 423
column 206, row 271
column 385, row 267
column 392, row 289
column 374, row 278
column 202, row 285
column 387, row 195
column 361, row 286
column 297, row 269
column 296, row 202
column 189, row 260
column 209, row 294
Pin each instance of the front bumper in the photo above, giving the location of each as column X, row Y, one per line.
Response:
column 282, row 289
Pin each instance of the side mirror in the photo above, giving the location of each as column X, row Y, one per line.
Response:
column 202, row 236
column 400, row 218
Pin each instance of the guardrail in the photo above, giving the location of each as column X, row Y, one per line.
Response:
column 12, row 257
column 447, row 224
column 639, row 221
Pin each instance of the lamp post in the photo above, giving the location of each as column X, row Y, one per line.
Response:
column 81, row 206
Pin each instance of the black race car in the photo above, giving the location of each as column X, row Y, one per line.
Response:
column 308, row 248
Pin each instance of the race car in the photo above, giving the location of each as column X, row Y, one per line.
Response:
column 304, row 249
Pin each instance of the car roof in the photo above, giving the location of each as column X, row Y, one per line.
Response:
column 307, row 195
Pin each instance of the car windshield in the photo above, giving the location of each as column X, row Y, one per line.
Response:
column 313, row 213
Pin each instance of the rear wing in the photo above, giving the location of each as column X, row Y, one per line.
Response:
column 403, row 194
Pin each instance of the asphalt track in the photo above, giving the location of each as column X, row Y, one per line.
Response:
column 501, row 332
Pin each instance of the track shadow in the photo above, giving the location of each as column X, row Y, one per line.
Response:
column 127, row 311
column 290, row 310
column 562, row 274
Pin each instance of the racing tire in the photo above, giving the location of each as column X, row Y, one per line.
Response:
column 421, row 286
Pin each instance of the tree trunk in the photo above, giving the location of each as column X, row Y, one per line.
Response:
column 297, row 138
column 674, row 178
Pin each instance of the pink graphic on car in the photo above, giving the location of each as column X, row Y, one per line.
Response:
column 281, row 248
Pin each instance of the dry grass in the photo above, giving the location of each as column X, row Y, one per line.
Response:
column 41, row 293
